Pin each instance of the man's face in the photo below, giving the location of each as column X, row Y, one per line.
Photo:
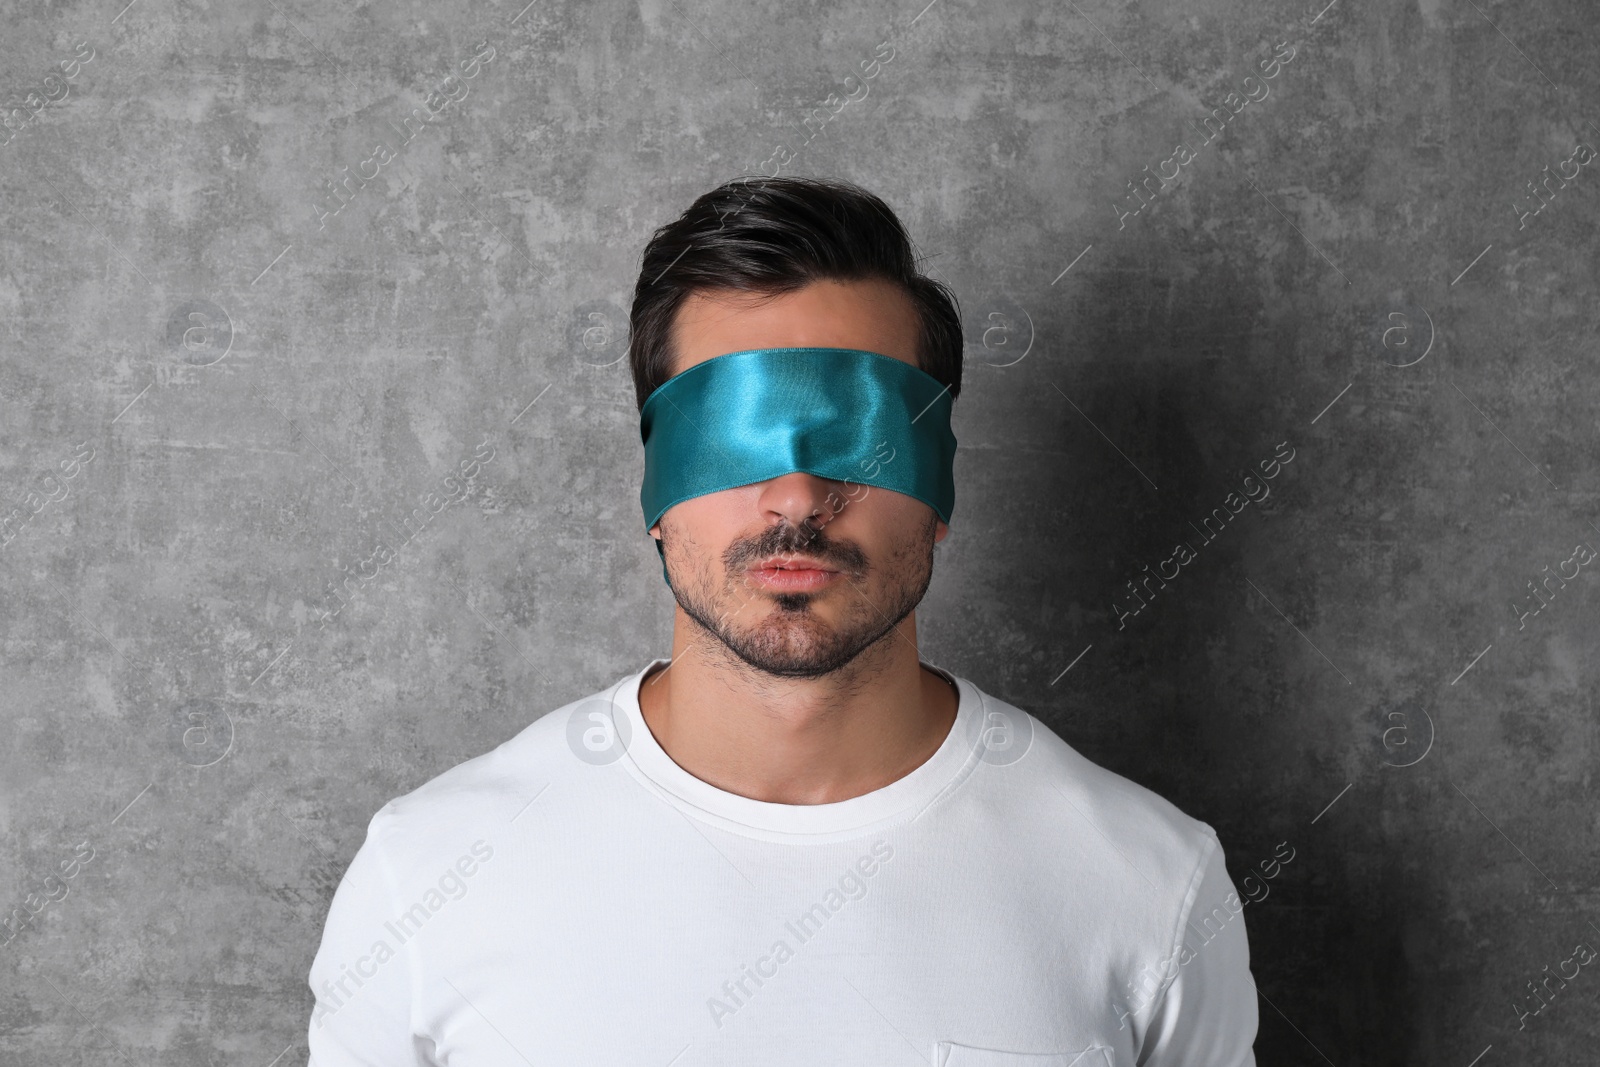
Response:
column 798, row 575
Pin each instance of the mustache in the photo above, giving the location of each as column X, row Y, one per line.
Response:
column 787, row 539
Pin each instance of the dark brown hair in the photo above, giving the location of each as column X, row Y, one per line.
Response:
column 772, row 236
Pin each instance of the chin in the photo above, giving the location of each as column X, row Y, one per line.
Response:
column 806, row 664
column 797, row 649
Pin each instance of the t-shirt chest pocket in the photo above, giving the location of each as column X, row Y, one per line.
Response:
column 950, row 1054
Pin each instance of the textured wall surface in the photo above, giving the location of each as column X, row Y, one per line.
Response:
column 229, row 381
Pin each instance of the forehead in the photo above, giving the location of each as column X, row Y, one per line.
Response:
column 872, row 315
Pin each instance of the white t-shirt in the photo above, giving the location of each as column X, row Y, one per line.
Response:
column 576, row 897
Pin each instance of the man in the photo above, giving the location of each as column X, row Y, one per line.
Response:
column 794, row 842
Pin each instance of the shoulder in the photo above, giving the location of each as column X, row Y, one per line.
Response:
column 485, row 797
column 1104, row 813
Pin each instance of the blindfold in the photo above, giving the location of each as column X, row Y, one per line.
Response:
column 835, row 413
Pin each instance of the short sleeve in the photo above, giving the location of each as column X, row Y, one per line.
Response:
column 1207, row 1016
column 361, row 975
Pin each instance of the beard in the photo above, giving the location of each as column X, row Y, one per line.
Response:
column 783, row 634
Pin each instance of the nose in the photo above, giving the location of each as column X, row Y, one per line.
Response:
column 801, row 498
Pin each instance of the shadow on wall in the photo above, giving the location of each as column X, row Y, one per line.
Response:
column 1181, row 508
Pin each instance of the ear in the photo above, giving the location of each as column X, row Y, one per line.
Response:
column 655, row 531
column 939, row 530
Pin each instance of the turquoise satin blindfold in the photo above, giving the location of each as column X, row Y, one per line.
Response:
column 838, row 413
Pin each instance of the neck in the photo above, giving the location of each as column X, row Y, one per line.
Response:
column 797, row 740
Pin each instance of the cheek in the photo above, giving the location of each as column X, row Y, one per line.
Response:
column 891, row 527
column 700, row 530
column 721, row 518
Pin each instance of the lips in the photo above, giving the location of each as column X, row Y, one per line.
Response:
column 791, row 563
column 792, row 574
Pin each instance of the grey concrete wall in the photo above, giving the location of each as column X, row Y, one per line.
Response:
column 219, row 394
